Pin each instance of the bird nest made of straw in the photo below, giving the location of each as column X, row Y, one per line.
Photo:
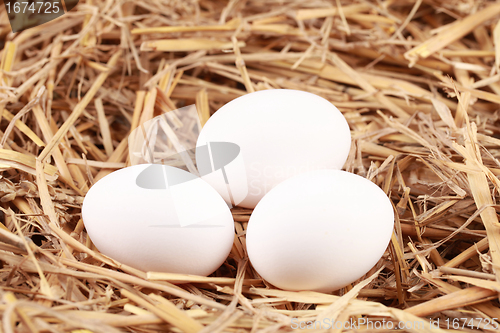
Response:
column 417, row 81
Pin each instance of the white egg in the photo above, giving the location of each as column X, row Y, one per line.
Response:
column 280, row 133
column 319, row 231
column 159, row 218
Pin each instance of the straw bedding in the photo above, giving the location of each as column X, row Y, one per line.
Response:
column 418, row 82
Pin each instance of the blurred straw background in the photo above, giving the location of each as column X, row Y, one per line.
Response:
column 418, row 82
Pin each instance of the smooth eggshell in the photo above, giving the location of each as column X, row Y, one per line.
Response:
column 281, row 133
column 319, row 231
column 132, row 217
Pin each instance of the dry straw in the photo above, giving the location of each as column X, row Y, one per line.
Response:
column 418, row 82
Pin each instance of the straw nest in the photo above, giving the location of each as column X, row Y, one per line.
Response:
column 418, row 82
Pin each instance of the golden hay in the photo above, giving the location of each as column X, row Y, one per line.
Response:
column 418, row 82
